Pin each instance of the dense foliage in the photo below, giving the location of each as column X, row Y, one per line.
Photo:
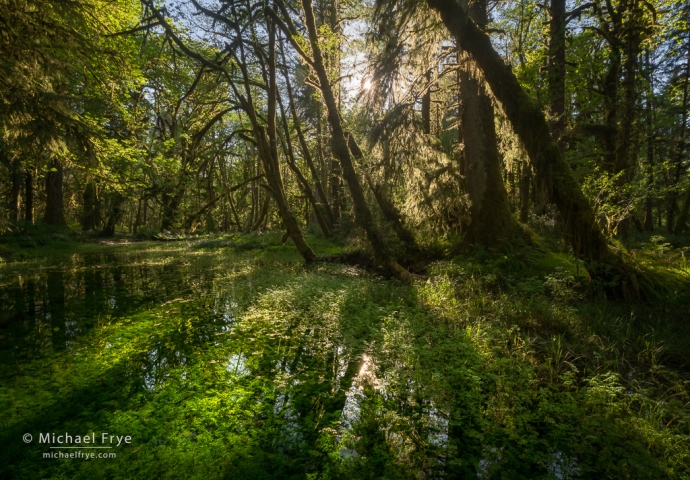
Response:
column 144, row 117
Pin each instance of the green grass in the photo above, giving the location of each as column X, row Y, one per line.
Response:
column 225, row 357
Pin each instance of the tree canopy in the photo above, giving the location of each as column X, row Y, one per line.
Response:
column 397, row 121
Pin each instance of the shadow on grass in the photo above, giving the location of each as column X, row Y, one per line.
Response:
column 261, row 369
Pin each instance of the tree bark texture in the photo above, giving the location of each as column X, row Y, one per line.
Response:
column 16, row 191
column 29, row 197
column 556, row 70
column 426, row 105
column 114, row 215
column 55, row 207
column 491, row 220
column 90, row 215
column 525, row 181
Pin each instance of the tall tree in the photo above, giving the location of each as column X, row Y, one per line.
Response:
column 55, row 202
column 491, row 220
column 532, row 128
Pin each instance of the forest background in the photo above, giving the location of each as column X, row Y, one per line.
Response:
column 351, row 118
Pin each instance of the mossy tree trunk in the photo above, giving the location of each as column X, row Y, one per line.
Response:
column 16, row 190
column 556, row 70
column 388, row 208
column 29, row 196
column 393, row 215
column 426, row 104
column 551, row 169
column 301, row 179
column 55, row 204
column 525, row 181
column 681, row 224
column 651, row 146
column 262, row 214
column 491, row 220
column 90, row 214
column 267, row 140
column 341, row 152
column 114, row 214
column 335, row 185
column 171, row 199
column 322, row 197
column 681, row 146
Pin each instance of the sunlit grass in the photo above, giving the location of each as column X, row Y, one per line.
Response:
column 240, row 360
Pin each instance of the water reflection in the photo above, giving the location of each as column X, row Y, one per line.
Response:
column 237, row 365
column 48, row 307
column 280, row 361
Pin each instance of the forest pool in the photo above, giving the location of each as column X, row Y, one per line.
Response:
column 211, row 362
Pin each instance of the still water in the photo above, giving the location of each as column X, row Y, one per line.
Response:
column 216, row 363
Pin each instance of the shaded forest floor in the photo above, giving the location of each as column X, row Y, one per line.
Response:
column 225, row 357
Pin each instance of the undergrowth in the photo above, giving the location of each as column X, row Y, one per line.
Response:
column 225, row 357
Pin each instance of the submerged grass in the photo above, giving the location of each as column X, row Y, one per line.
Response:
column 225, row 357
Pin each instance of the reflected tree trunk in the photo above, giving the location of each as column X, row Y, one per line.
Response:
column 56, row 308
